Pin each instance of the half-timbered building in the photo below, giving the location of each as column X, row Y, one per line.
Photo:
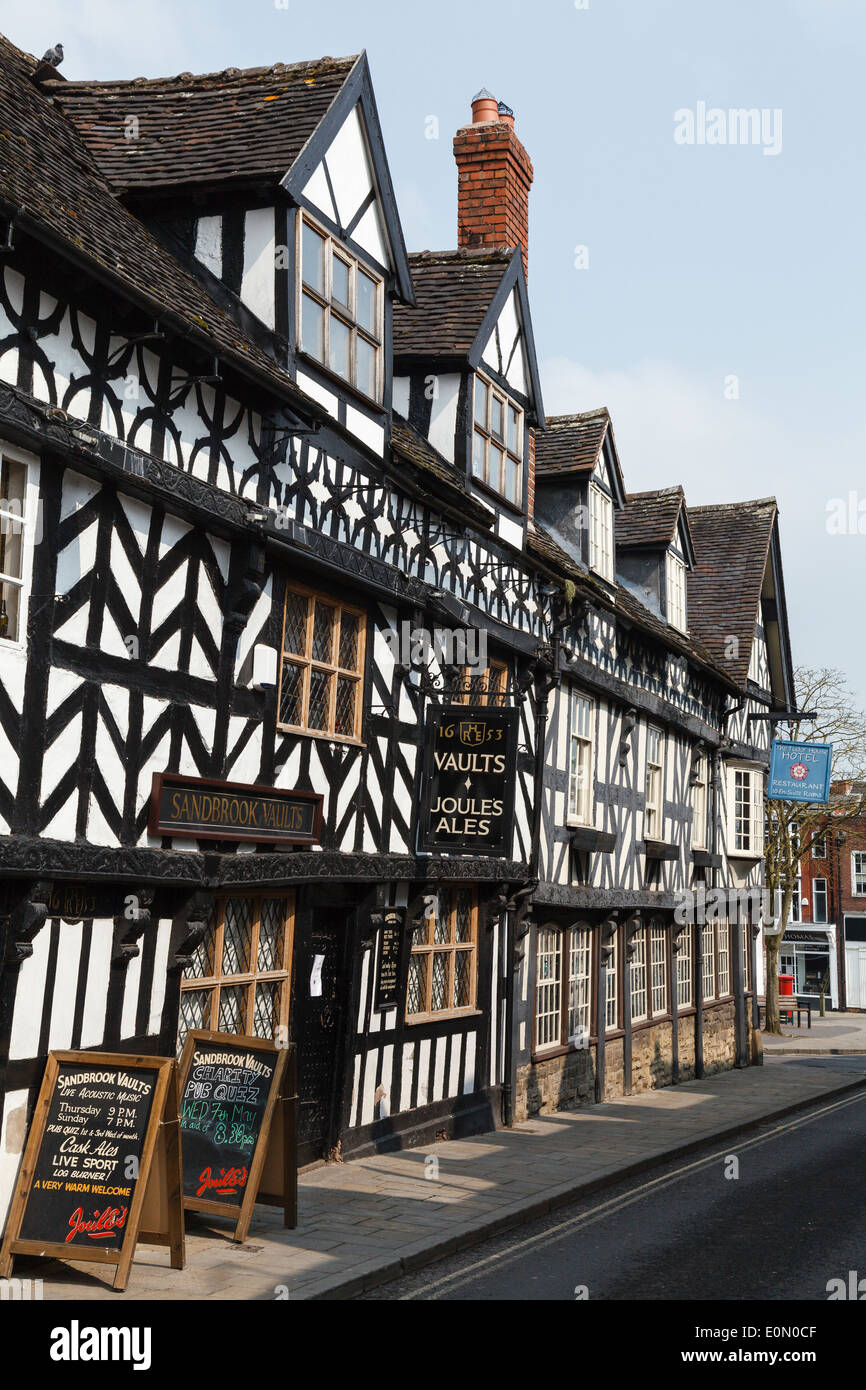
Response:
column 257, row 463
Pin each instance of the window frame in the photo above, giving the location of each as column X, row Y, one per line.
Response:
column 572, row 990
column 676, row 602
column 452, row 947
column 580, row 799
column 819, row 846
column 700, row 802
column 658, row 970
column 755, row 819
column 308, row 664
column 346, row 314
column 823, row 892
column 655, row 774
column 611, row 988
column 601, row 537
column 858, row 875
column 638, row 966
column 249, row 979
column 494, row 441
column 488, row 689
column 22, row 582
column 685, row 977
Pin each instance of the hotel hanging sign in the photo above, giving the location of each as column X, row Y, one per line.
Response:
column 203, row 809
column 800, row 772
column 467, row 799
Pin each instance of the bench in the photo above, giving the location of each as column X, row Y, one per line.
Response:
column 788, row 1006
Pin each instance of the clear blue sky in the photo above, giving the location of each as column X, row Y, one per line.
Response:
column 705, row 261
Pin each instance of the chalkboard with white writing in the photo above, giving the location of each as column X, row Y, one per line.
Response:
column 101, row 1168
column 230, row 1087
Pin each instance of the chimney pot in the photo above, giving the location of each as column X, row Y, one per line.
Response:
column 484, row 107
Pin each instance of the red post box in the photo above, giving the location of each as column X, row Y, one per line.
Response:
column 786, row 984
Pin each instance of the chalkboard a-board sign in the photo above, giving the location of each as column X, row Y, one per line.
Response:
column 101, row 1168
column 238, row 1097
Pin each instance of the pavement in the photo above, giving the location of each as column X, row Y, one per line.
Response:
column 375, row 1219
column 835, row 1035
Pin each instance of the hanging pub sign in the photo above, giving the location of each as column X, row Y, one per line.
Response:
column 467, row 797
column 101, row 1169
column 238, row 1125
column 800, row 772
column 204, row 809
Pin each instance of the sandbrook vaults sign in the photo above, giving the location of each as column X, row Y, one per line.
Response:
column 467, row 800
column 800, row 771
column 208, row 810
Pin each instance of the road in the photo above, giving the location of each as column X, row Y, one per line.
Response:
column 793, row 1219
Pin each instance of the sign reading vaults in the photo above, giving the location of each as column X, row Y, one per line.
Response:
column 467, row 799
column 209, row 810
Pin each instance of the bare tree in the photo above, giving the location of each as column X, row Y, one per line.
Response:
column 794, row 826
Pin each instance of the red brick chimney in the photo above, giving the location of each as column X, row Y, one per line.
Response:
column 494, row 179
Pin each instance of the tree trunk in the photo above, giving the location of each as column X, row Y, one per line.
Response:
column 772, row 950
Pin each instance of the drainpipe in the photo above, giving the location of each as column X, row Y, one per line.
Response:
column 544, row 678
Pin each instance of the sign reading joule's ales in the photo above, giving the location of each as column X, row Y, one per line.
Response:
column 468, row 795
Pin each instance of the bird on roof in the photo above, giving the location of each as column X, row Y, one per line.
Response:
column 53, row 57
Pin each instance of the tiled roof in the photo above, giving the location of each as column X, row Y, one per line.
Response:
column 453, row 291
column 233, row 126
column 49, row 184
column 732, row 543
column 571, row 443
column 649, row 518
column 411, row 446
column 625, row 603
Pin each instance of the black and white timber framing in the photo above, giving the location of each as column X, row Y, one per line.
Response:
column 177, row 479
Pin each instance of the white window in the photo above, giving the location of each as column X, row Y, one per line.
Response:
column 611, row 1001
column 579, row 986
column 755, row 660
column 724, row 953
column 858, row 873
column 747, row 956
column 684, row 970
column 659, row 970
column 14, row 549
column 708, row 957
column 600, row 532
column 637, row 977
column 699, row 804
column 339, row 311
column 497, row 442
column 563, row 1018
column 652, row 827
column 746, row 812
column 819, row 900
column 676, row 592
column 548, row 988
column 819, row 846
column 581, row 759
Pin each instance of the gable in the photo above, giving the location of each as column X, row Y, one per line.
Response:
column 342, row 190
column 504, row 351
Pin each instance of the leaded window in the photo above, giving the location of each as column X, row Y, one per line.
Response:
column 321, row 678
column 442, row 962
column 237, row 979
column 340, row 311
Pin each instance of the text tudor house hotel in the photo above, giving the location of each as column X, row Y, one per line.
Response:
column 249, row 445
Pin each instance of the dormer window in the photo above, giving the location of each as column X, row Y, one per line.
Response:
column 676, row 593
column 497, row 442
column 340, row 313
column 600, row 532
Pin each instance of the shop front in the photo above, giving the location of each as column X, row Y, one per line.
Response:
column 809, row 954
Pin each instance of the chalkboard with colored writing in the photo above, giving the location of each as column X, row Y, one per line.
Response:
column 231, row 1114
column 101, row 1165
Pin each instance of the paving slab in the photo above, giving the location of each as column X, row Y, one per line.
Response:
column 364, row 1222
